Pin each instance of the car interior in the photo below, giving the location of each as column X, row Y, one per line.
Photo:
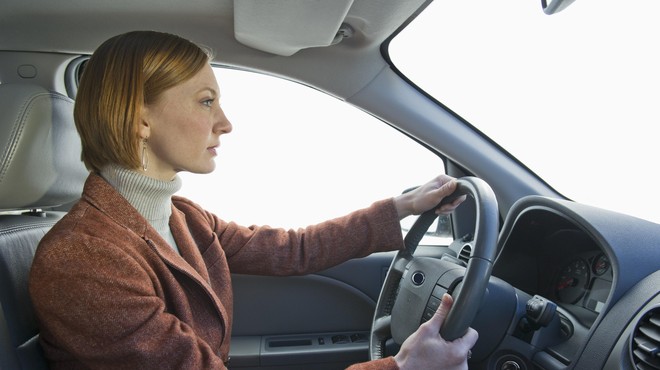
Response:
column 548, row 282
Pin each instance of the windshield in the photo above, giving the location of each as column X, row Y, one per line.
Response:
column 574, row 96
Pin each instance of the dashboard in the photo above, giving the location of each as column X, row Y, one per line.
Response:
column 594, row 270
column 600, row 269
column 548, row 255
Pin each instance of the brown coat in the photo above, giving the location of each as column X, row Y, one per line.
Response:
column 110, row 293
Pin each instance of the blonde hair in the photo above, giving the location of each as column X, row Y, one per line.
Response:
column 125, row 73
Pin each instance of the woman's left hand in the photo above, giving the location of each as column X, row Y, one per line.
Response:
column 427, row 197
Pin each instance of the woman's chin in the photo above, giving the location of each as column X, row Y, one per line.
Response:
column 201, row 170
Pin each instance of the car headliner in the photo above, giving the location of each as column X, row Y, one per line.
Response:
column 79, row 26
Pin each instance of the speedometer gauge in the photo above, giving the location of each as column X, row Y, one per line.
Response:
column 572, row 280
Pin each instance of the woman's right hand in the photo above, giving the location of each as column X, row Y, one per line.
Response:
column 426, row 349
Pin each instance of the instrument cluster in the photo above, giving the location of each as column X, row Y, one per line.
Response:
column 584, row 280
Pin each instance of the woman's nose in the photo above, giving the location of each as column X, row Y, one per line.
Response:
column 222, row 124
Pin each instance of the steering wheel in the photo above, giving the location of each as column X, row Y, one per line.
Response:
column 414, row 286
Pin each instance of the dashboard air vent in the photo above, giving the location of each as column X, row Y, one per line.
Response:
column 465, row 253
column 645, row 343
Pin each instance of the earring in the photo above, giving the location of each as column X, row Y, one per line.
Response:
column 145, row 156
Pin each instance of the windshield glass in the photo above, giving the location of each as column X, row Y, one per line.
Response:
column 574, row 96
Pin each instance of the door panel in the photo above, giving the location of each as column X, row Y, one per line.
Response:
column 318, row 321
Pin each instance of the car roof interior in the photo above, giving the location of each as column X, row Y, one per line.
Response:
column 369, row 22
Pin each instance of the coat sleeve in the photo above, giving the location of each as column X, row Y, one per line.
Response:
column 270, row 251
column 101, row 309
column 386, row 363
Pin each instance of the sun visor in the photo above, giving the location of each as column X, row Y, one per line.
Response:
column 284, row 27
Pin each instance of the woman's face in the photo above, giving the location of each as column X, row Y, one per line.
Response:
column 183, row 127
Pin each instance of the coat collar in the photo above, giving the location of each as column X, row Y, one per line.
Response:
column 102, row 196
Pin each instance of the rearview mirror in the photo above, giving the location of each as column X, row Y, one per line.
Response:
column 555, row 6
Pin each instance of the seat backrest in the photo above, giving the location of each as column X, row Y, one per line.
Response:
column 40, row 169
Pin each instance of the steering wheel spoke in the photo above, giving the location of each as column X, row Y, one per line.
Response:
column 399, row 264
column 382, row 327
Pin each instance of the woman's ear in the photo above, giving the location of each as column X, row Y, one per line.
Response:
column 144, row 127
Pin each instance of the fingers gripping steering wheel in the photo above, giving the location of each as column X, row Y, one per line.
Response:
column 414, row 285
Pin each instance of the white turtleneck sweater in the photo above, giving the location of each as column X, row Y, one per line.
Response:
column 151, row 197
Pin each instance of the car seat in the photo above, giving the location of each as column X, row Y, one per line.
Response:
column 40, row 170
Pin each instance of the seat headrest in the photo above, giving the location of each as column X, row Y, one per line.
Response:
column 40, row 165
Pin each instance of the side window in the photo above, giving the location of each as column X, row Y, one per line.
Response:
column 297, row 156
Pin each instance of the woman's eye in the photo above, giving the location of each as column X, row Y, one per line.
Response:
column 208, row 102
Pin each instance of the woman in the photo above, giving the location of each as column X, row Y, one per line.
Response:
column 135, row 277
